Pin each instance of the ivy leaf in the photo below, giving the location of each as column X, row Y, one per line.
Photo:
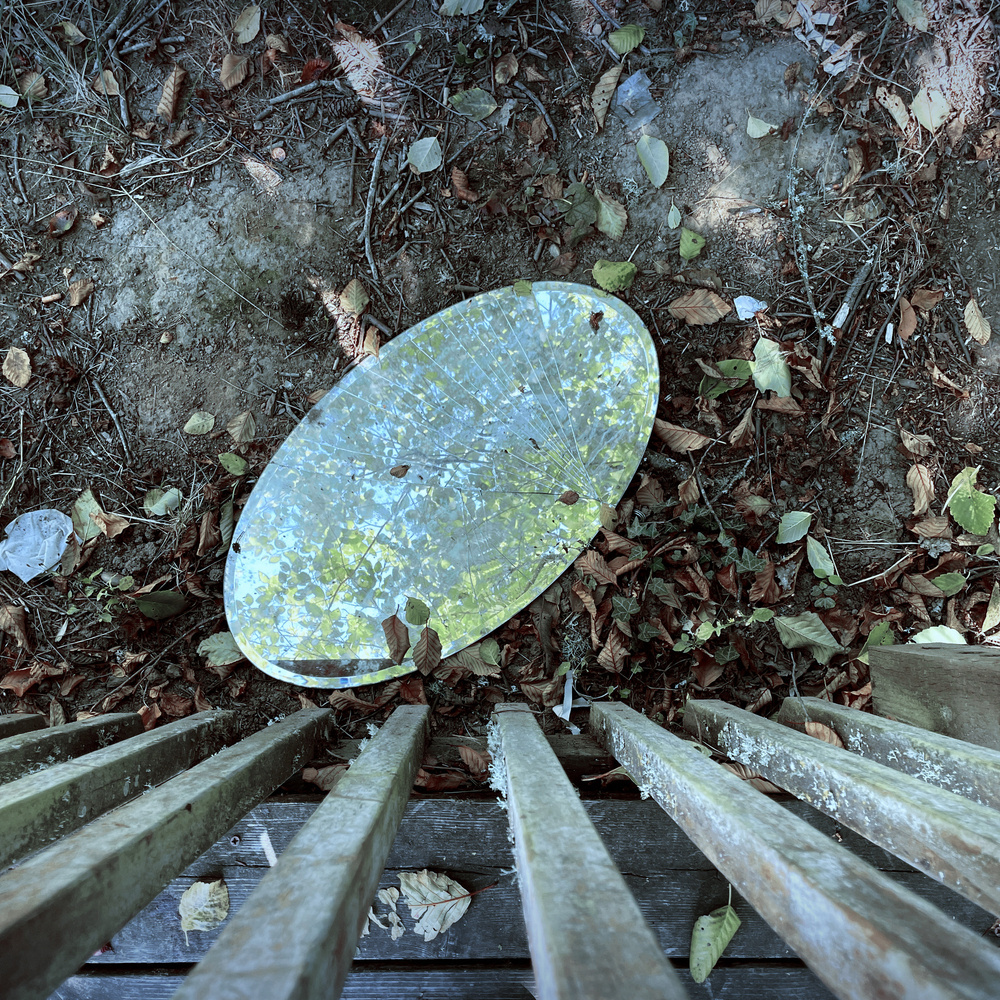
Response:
column 613, row 276
column 807, row 631
column 793, row 526
column 973, row 509
column 655, row 159
column 691, row 244
column 220, row 649
column 425, row 155
column 819, row 559
column 476, row 104
column 709, row 938
column 611, row 215
column 627, row 38
column 770, row 369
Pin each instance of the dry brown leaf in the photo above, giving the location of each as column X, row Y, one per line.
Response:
column 678, row 438
column 460, row 186
column 14, row 622
column 856, row 162
column 246, row 26
column 699, row 307
column 325, row 778
column 62, row 222
column 742, row 435
column 278, row 42
column 397, row 635
column 314, row 69
column 171, row 92
column 926, row 298
column 242, row 427
column 427, row 651
column 600, row 99
column 568, row 497
column 78, row 291
column 937, row 526
column 907, row 320
column 585, row 597
column 942, row 381
column 893, row 103
column 234, row 70
column 105, row 83
column 921, row 484
column 17, row 367
column 354, row 297
column 563, row 264
column 753, row 777
column 592, row 563
column 918, row 445
column 32, row 85
column 781, row 404
column 266, row 176
column 615, row 654
column 372, row 342
column 346, row 700
column 477, row 761
column 824, row 733
column 505, row 69
column 112, row 525
column 976, row 323
column 688, row 491
column 765, row 589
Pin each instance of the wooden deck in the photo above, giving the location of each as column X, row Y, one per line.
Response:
column 485, row 955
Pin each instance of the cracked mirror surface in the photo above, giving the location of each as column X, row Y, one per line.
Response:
column 435, row 472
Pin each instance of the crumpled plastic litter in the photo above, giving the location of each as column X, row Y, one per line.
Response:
column 807, row 33
column 35, row 542
column 569, row 703
column 747, row 306
column 632, row 102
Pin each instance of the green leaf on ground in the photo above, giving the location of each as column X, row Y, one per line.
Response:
column 220, row 649
column 793, row 526
column 626, row 38
column 161, row 604
column 807, row 631
column 425, row 155
column 735, row 368
column 949, row 583
column 8, row 97
column 770, row 370
column 200, row 422
column 489, row 652
column 476, row 104
column 522, row 287
column 83, row 524
column 460, row 8
column 691, row 244
column 655, row 159
column 757, row 129
column 930, row 108
column 161, row 502
column 819, row 559
column 614, row 276
column 939, row 633
column 992, row 617
column 709, row 938
column 880, row 635
column 673, row 217
column 973, row 509
column 235, row 465
column 762, row 615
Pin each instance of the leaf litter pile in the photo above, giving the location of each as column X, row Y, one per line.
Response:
column 210, row 216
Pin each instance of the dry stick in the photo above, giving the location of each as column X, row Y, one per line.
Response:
column 370, row 204
column 148, row 16
column 18, row 183
column 116, row 23
column 114, row 417
column 388, row 17
column 538, row 104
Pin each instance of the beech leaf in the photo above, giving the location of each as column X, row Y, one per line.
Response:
column 600, row 99
column 626, row 38
column 976, row 323
column 771, row 371
column 427, row 651
column 200, row 422
column 220, row 650
column 611, row 215
column 398, row 638
column 921, row 484
column 793, row 526
column 476, row 103
column 247, row 25
column 709, row 938
column 17, row 367
column 234, row 70
column 242, row 427
column 679, row 439
column 354, row 297
column 425, row 155
column 699, row 307
column 655, row 159
column 171, row 92
column 614, row 276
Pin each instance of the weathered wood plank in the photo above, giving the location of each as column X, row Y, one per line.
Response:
column 856, row 929
column 946, row 688
column 297, row 933
column 955, row 765
column 12, row 725
column 27, row 752
column 944, row 835
column 574, row 898
column 37, row 809
column 745, row 982
column 62, row 904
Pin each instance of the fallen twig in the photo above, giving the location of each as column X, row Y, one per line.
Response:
column 370, row 204
column 538, row 104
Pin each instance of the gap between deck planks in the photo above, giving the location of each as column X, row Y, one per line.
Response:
column 672, row 881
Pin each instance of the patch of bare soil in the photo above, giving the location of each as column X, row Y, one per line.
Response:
column 189, row 188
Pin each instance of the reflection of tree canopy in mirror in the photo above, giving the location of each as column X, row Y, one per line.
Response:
column 497, row 406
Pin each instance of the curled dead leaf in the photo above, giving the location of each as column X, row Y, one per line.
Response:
column 460, row 186
column 976, row 323
column 921, row 484
column 171, row 92
column 907, row 320
column 79, row 291
column 824, row 733
column 266, row 176
column 926, row 298
column 17, row 367
column 106, row 84
column 600, row 99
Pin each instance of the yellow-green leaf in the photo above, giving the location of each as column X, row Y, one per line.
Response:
column 655, row 159
column 200, row 422
column 626, row 38
column 709, row 938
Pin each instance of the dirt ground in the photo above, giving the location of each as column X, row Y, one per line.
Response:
column 183, row 199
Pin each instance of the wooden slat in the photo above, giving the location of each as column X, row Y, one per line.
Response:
column 37, row 809
column 964, row 768
column 296, row 935
column 946, row 688
column 858, row 931
column 743, row 982
column 27, row 752
column 575, row 901
column 62, row 904
column 12, row 725
column 942, row 834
